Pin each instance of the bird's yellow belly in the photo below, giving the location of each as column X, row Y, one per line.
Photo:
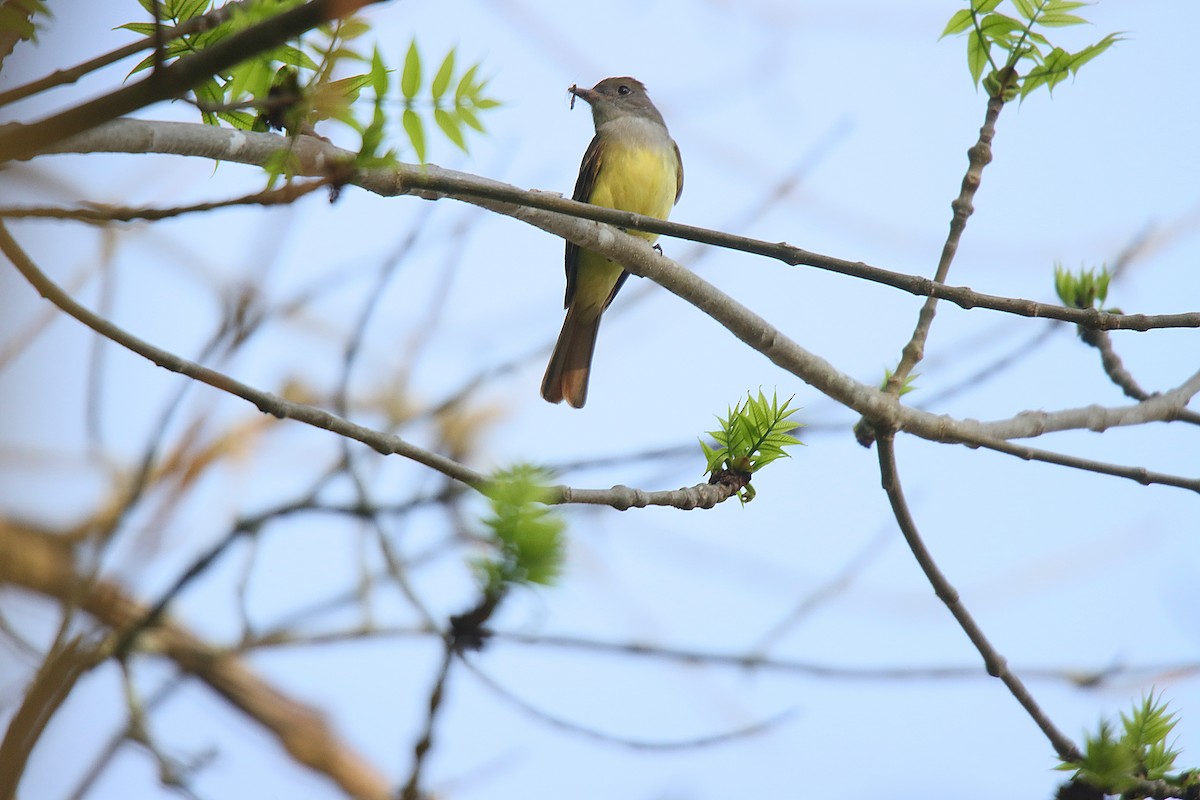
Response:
column 638, row 179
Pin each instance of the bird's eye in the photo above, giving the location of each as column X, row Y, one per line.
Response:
column 623, row 89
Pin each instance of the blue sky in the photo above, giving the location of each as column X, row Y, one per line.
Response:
column 871, row 116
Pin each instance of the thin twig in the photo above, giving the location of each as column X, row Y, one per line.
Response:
column 979, row 156
column 626, row 741
column 412, row 787
column 1114, row 367
column 995, row 664
column 103, row 214
column 1140, row 474
column 265, row 401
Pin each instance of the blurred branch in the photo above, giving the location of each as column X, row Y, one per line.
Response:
column 61, row 668
column 265, row 401
column 996, row 666
column 40, row 561
column 620, row 497
column 104, row 214
column 412, row 786
column 1079, row 677
column 638, row 744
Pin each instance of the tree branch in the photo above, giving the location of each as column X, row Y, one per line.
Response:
column 314, row 157
column 559, row 216
column 42, row 562
column 265, row 401
column 996, row 666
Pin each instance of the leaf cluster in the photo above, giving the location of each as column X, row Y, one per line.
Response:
column 752, row 434
column 293, row 87
column 527, row 537
column 1084, row 289
column 1115, row 762
column 453, row 110
column 1008, row 42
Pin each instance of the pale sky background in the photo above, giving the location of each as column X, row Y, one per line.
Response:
column 1063, row 569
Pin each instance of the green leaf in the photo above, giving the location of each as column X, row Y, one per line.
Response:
column 251, row 79
column 466, row 85
column 353, row 28
column 17, row 22
column 186, row 9
column 415, row 129
column 441, row 81
column 145, row 63
column 294, row 57
column 238, row 119
column 527, row 536
column 451, row 125
column 1091, row 51
column 373, row 135
column 959, row 22
column 752, row 434
column 977, row 55
column 984, row 6
column 410, row 78
column 1060, row 20
column 1024, row 8
column 379, row 74
column 141, row 28
column 468, row 116
column 209, row 93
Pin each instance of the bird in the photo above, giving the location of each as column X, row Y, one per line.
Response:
column 631, row 164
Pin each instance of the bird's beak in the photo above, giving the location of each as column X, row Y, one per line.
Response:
column 586, row 95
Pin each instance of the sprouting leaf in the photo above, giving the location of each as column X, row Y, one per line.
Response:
column 1018, row 43
column 753, row 433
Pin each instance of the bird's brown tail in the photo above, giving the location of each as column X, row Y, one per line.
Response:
column 570, row 364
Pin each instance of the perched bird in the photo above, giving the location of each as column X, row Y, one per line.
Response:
column 632, row 164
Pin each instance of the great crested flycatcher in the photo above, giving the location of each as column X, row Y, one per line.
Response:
column 632, row 164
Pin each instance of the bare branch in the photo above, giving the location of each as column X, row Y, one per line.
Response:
column 979, row 156
column 104, row 214
column 265, row 401
column 996, row 666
